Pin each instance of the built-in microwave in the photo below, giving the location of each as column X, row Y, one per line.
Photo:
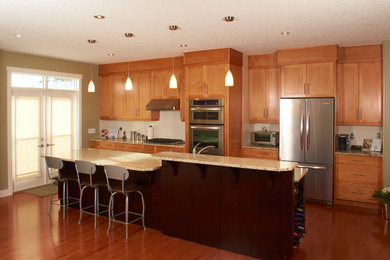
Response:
column 206, row 111
column 265, row 138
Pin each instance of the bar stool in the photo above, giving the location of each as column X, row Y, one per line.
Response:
column 88, row 168
column 56, row 164
column 116, row 181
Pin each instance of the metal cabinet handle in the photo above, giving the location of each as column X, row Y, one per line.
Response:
column 314, row 167
column 50, row 144
column 357, row 174
column 357, row 160
column 359, row 193
column 361, row 114
column 41, row 145
column 357, row 113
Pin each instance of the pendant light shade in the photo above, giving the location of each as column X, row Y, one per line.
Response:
column 173, row 81
column 129, row 84
column 91, row 86
column 229, row 81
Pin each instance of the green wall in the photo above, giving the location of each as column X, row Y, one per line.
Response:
column 90, row 101
column 386, row 113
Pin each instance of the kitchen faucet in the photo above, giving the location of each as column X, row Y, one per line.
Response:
column 194, row 149
column 205, row 148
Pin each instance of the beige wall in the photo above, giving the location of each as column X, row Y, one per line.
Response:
column 90, row 101
column 386, row 113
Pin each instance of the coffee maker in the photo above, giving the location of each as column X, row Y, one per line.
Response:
column 343, row 141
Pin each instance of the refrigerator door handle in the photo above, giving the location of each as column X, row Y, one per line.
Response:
column 314, row 167
column 301, row 131
column 308, row 131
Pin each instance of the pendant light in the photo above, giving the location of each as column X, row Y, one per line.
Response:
column 91, row 86
column 129, row 83
column 173, row 81
column 229, row 81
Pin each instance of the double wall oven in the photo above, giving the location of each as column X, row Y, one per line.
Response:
column 206, row 126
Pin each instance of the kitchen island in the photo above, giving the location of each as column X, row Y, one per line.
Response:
column 237, row 204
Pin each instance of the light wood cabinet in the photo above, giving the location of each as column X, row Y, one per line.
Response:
column 308, row 80
column 111, row 91
column 356, row 178
column 359, row 93
column 105, row 111
column 266, row 154
column 205, row 80
column 160, row 84
column 264, row 95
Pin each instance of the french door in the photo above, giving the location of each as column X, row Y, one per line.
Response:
column 43, row 119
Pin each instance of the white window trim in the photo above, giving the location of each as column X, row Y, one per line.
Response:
column 9, row 190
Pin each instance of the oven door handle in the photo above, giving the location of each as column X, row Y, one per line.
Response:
column 205, row 127
column 206, row 109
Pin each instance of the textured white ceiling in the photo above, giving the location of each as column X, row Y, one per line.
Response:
column 61, row 28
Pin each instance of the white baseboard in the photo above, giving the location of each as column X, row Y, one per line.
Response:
column 5, row 193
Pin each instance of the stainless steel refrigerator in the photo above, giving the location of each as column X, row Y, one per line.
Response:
column 306, row 137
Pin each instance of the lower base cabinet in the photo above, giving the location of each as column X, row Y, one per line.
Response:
column 356, row 178
column 258, row 153
column 135, row 148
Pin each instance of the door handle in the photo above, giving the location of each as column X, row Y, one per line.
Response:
column 301, row 129
column 50, row 144
column 308, row 131
column 41, row 145
column 314, row 167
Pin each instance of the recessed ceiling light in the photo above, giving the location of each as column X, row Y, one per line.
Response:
column 229, row 18
column 129, row 35
column 183, row 45
column 92, row 41
column 18, row 35
column 99, row 16
column 110, row 54
column 285, row 33
column 173, row 27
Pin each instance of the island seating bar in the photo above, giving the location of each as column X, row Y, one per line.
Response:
column 236, row 204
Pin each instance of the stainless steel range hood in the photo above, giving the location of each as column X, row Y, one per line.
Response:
column 163, row 104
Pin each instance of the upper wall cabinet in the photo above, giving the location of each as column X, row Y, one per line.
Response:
column 263, row 89
column 160, row 84
column 359, row 86
column 112, row 99
column 308, row 72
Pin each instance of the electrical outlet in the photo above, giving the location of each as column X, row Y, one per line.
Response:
column 91, row 130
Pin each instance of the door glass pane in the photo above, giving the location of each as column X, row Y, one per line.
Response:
column 61, row 120
column 20, row 80
column 27, row 136
column 61, row 83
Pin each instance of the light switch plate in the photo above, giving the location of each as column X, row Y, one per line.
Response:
column 91, row 130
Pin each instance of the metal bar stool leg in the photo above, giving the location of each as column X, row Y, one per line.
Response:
column 96, row 206
column 51, row 200
column 81, row 203
column 110, row 204
column 143, row 209
column 127, row 215
column 63, row 199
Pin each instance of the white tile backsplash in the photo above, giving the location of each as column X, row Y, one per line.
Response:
column 169, row 125
column 360, row 132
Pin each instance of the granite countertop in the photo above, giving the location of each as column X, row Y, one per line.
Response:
column 128, row 141
column 238, row 162
column 360, row 152
column 129, row 160
column 264, row 147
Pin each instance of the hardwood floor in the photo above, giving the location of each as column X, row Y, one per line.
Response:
column 27, row 232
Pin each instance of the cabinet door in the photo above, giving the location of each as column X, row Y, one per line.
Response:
column 117, row 83
column 144, row 95
column 370, row 93
column 131, row 98
column 215, row 79
column 348, row 93
column 160, row 81
column 272, row 95
column 257, row 95
column 293, row 79
column 104, row 97
column 320, row 79
column 194, row 78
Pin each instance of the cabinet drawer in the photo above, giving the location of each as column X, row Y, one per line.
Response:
column 108, row 145
column 94, row 144
column 135, row 148
column 148, row 149
column 120, row 147
column 260, row 153
column 359, row 160
column 355, row 192
column 357, row 173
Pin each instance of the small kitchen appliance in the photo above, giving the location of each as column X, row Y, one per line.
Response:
column 270, row 138
column 343, row 142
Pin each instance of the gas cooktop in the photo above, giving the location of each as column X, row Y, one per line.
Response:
column 164, row 141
